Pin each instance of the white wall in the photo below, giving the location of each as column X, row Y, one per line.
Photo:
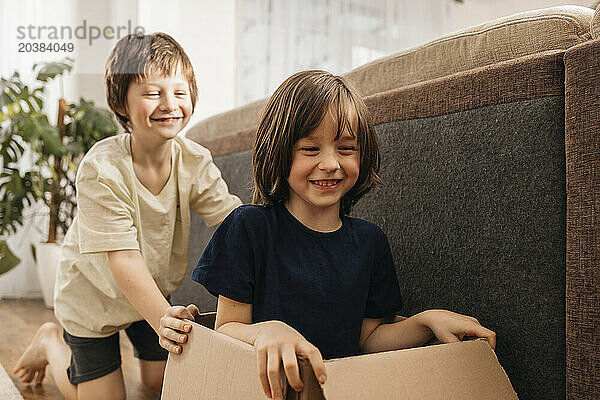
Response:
column 206, row 31
column 30, row 12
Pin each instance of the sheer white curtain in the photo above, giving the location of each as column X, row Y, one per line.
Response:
column 276, row 38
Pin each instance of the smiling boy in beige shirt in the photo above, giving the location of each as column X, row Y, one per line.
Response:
column 127, row 249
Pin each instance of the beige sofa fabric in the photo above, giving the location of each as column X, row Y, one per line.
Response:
column 556, row 28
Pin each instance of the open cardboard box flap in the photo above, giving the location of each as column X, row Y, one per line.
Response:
column 464, row 370
column 212, row 366
column 215, row 366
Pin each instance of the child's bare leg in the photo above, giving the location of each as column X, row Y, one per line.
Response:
column 47, row 349
column 152, row 374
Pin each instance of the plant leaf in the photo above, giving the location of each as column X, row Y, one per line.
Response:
column 8, row 260
column 53, row 69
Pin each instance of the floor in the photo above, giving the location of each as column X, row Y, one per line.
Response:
column 20, row 320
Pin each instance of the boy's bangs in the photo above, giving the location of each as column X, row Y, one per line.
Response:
column 346, row 116
column 163, row 66
column 160, row 54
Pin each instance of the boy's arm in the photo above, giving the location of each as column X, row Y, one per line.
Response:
column 235, row 319
column 274, row 342
column 417, row 330
column 134, row 279
column 376, row 336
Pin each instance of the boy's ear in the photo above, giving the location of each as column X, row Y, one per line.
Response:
column 123, row 117
column 122, row 110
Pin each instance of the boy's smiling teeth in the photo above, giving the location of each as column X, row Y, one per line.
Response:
column 164, row 118
column 325, row 182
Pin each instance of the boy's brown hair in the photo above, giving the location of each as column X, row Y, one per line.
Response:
column 133, row 58
column 295, row 110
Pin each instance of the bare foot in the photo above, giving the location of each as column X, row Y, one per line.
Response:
column 33, row 362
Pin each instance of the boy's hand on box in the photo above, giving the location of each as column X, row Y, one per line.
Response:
column 173, row 327
column 448, row 326
column 277, row 343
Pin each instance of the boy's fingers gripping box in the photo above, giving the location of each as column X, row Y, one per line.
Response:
column 215, row 366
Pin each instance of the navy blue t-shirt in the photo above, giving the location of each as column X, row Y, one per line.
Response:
column 321, row 284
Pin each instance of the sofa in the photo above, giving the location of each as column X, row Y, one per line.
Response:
column 490, row 143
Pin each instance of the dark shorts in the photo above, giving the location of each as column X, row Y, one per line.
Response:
column 93, row 358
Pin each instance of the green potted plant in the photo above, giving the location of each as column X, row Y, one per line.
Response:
column 56, row 152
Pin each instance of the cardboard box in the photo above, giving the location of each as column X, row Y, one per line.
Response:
column 215, row 366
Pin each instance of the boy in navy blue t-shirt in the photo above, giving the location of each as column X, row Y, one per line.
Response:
column 294, row 274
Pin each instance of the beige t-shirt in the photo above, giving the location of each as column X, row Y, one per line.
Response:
column 116, row 212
